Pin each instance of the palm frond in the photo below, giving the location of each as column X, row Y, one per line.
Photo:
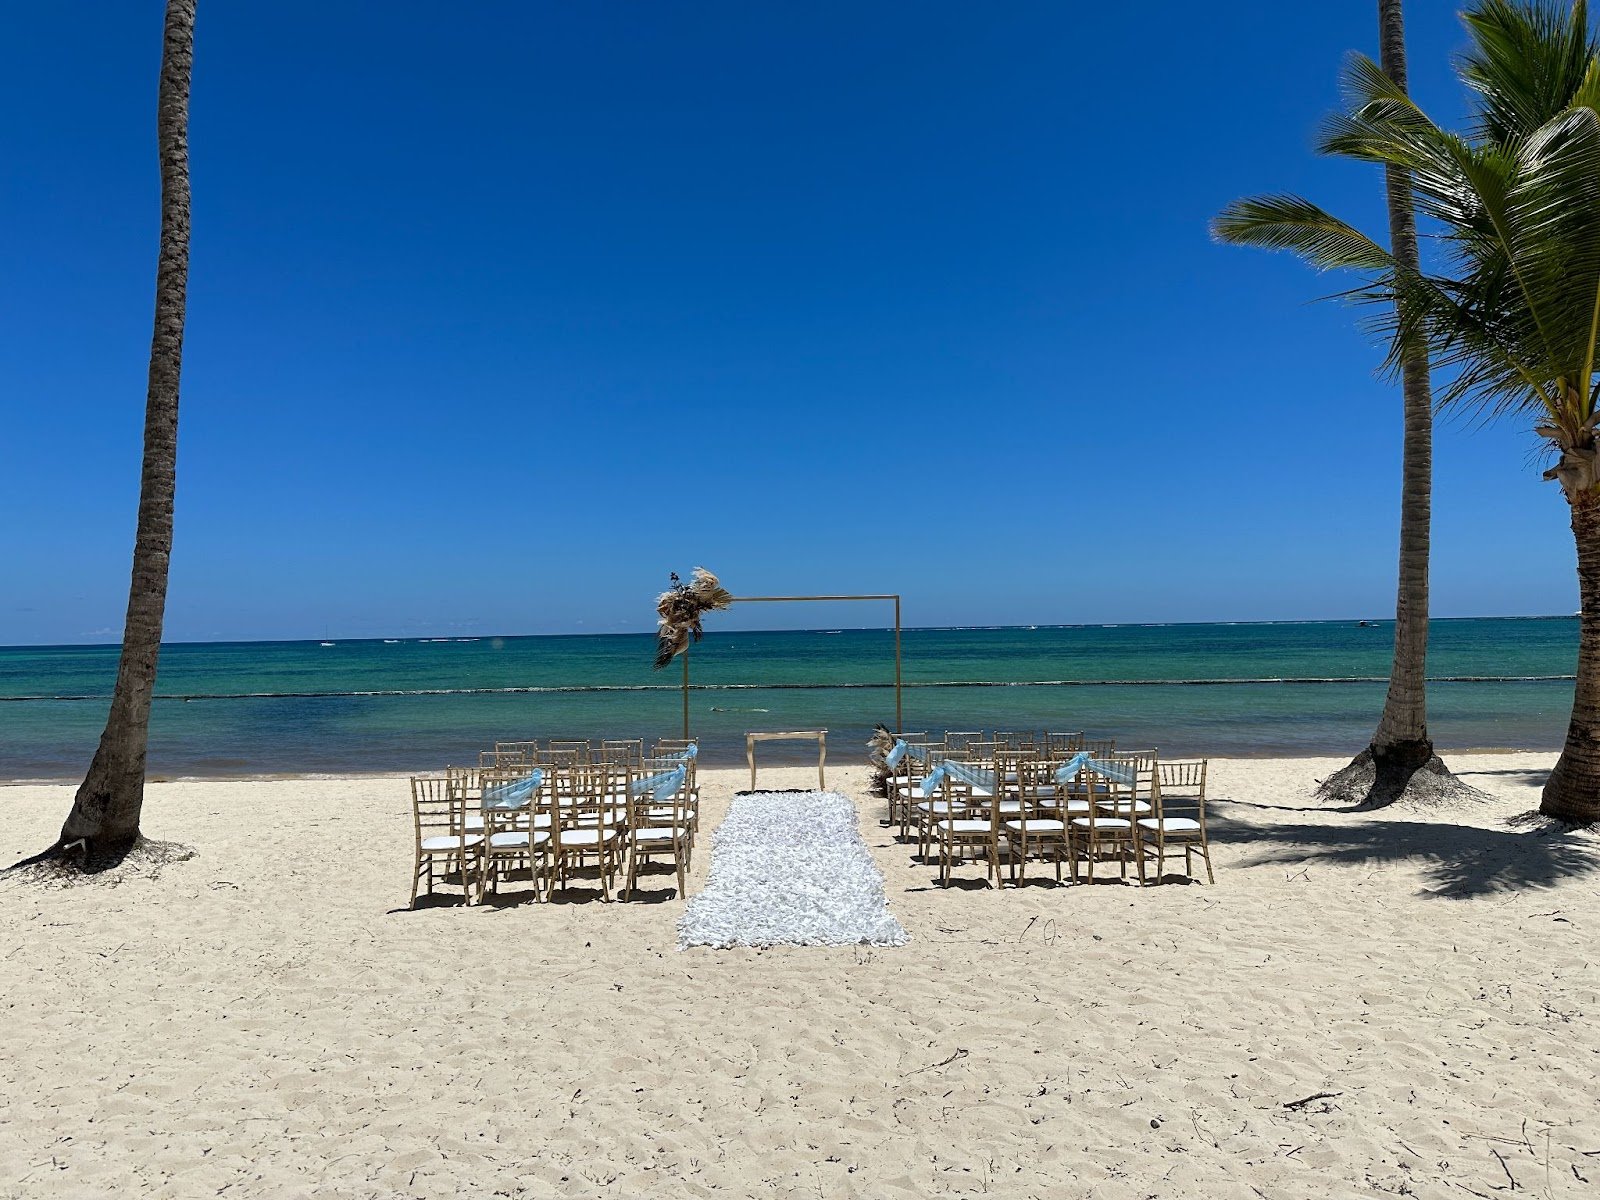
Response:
column 1294, row 223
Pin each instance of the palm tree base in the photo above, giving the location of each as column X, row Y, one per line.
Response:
column 1383, row 775
column 109, row 859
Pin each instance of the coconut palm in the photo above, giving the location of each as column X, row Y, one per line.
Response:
column 103, row 825
column 1511, row 311
column 1401, row 746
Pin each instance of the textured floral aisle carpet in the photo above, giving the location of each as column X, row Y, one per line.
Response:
column 790, row 869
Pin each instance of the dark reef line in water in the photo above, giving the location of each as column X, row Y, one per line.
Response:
column 816, row 687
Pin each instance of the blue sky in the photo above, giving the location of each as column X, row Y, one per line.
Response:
column 500, row 312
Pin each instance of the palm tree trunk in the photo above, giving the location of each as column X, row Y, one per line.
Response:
column 1401, row 746
column 1403, row 728
column 104, row 822
column 1573, row 790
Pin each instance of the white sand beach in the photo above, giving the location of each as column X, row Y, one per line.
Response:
column 267, row 1019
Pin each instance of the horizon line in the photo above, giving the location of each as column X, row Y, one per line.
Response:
column 481, row 637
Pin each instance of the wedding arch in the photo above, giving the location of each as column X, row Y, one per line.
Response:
column 681, row 610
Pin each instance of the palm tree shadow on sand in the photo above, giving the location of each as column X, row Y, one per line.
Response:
column 1526, row 852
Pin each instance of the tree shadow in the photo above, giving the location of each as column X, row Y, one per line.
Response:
column 1528, row 777
column 1461, row 860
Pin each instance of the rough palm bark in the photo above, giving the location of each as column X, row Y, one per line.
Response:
column 1401, row 747
column 103, row 826
column 1572, row 792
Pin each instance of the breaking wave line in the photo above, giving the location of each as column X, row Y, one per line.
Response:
column 580, row 689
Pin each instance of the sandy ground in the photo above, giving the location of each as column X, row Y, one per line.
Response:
column 268, row 1020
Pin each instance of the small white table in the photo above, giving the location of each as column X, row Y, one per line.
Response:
column 820, row 736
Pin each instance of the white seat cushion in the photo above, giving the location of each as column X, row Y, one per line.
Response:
column 1171, row 825
column 1034, row 825
column 940, row 806
column 1072, row 806
column 959, row 826
column 1120, row 807
column 450, row 842
column 653, row 834
column 474, row 822
column 587, row 837
column 1114, row 824
column 664, row 813
column 515, row 841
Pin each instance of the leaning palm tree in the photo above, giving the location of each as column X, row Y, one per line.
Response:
column 1510, row 311
column 103, row 825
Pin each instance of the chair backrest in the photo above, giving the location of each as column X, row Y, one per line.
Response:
column 1100, row 747
column 1112, row 798
column 576, row 749
column 572, row 796
column 1009, row 768
column 510, row 754
column 1143, row 764
column 1180, row 789
column 648, row 810
column 1014, row 739
column 957, row 740
column 626, row 751
column 1063, row 745
column 435, row 807
column 567, row 758
column 977, row 752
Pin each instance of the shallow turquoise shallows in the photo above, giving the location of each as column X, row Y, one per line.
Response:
column 237, row 708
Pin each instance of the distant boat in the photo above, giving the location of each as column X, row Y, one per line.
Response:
column 1363, row 624
column 327, row 643
column 391, row 641
column 830, row 631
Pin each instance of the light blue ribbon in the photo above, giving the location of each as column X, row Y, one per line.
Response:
column 901, row 748
column 1121, row 772
column 662, row 784
column 1068, row 771
column 960, row 771
column 514, row 795
column 688, row 754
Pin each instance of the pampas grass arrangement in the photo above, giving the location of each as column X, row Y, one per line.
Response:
column 878, row 748
column 680, row 610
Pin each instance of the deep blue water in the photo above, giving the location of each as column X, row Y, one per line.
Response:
column 263, row 707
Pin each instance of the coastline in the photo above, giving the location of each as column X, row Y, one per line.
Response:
column 777, row 756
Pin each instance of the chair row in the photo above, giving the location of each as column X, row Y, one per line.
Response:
column 479, row 827
column 1092, row 807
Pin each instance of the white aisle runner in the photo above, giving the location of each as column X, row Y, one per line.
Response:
column 790, row 869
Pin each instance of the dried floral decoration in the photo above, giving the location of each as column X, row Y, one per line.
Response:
column 681, row 609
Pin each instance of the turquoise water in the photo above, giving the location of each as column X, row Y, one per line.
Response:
column 248, row 707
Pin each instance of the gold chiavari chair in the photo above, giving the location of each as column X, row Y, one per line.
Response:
column 1142, row 763
column 966, row 824
column 1062, row 745
column 437, row 821
column 670, row 746
column 516, row 826
column 956, row 741
column 1035, row 830
column 1178, row 796
column 658, row 822
column 585, row 826
column 1098, row 832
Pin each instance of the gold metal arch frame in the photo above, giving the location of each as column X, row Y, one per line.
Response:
column 899, row 722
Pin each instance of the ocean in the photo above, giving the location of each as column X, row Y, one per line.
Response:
column 244, row 708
